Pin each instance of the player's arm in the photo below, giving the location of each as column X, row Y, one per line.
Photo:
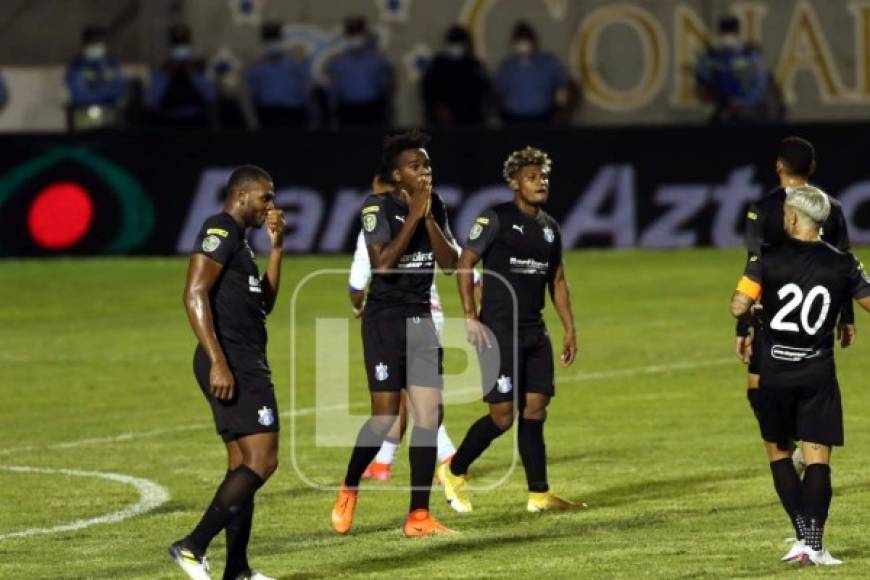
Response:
column 202, row 274
column 465, row 279
column 272, row 279
column 441, row 238
column 384, row 253
column 859, row 284
column 561, row 298
column 745, row 296
column 846, row 330
column 360, row 275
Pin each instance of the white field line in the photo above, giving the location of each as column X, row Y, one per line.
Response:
column 580, row 377
column 151, row 496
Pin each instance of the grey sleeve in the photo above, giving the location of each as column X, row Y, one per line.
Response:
column 483, row 233
column 373, row 218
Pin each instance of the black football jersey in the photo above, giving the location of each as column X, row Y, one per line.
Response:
column 236, row 299
column 404, row 292
column 804, row 286
column 526, row 252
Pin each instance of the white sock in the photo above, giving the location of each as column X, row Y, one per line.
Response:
column 445, row 445
column 386, row 453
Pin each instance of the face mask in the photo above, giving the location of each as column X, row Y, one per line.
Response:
column 95, row 51
column 181, row 52
column 455, row 50
column 731, row 41
column 523, row 48
column 274, row 47
column 356, row 42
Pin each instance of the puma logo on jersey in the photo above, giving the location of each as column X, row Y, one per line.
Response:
column 519, row 229
column 400, row 218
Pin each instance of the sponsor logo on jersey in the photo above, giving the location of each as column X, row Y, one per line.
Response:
column 369, row 222
column 475, row 232
column 266, row 416
column 793, row 354
column 416, row 260
column 549, row 235
column 218, row 232
column 528, row 266
column 211, row 243
column 503, row 384
column 382, row 372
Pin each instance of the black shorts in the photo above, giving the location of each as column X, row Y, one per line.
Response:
column 402, row 352
column 524, row 367
column 786, row 414
column 253, row 408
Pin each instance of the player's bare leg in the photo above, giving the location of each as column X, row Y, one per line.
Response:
column 533, row 452
column 385, row 408
column 379, row 469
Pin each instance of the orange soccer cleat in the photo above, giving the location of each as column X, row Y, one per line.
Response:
column 342, row 511
column 377, row 471
column 421, row 523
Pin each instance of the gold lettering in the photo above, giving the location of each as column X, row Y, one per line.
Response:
column 861, row 13
column 690, row 40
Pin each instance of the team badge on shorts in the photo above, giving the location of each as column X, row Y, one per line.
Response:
column 503, row 384
column 475, row 232
column 549, row 235
column 369, row 222
column 267, row 417
column 211, row 243
column 381, row 372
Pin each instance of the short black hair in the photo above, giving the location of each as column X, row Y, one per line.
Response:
column 523, row 30
column 270, row 31
column 797, row 155
column 179, row 34
column 729, row 25
column 94, row 33
column 244, row 175
column 393, row 147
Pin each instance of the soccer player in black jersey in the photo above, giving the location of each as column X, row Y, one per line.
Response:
column 805, row 284
column 521, row 248
column 227, row 303
column 406, row 233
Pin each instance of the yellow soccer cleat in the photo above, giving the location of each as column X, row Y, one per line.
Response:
column 549, row 501
column 454, row 489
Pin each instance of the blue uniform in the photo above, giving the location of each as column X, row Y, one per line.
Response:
column 95, row 82
column 359, row 76
column 734, row 75
column 280, row 81
column 526, row 86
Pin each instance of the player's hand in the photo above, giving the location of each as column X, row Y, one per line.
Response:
column 221, row 381
column 846, row 334
column 569, row 350
column 421, row 198
column 476, row 333
column 275, row 228
column 743, row 348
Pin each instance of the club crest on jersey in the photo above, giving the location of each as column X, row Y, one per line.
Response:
column 381, row 372
column 549, row 235
column 503, row 384
column 266, row 416
column 369, row 222
column 475, row 232
column 211, row 243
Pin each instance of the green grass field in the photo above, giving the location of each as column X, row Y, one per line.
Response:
column 650, row 427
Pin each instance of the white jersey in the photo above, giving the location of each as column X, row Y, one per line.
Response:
column 361, row 275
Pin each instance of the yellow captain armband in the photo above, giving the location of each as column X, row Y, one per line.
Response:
column 749, row 287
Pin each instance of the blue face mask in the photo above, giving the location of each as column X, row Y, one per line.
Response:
column 455, row 50
column 181, row 52
column 94, row 51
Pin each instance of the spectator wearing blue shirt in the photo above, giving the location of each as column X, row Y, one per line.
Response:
column 280, row 82
column 732, row 75
column 455, row 86
column 179, row 92
column 360, row 78
column 531, row 85
column 95, row 80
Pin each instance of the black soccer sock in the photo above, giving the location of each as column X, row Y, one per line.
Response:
column 533, row 452
column 815, row 501
column 236, row 490
column 422, row 454
column 479, row 436
column 238, row 534
column 788, row 487
column 368, row 442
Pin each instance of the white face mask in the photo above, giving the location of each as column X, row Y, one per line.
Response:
column 523, row 48
column 274, row 47
column 731, row 41
column 455, row 50
column 95, row 51
column 181, row 52
column 356, row 42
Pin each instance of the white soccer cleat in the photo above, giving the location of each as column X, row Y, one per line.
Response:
column 794, row 553
column 818, row 558
column 195, row 567
column 253, row 575
column 797, row 458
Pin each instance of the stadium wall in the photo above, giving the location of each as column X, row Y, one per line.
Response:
column 630, row 187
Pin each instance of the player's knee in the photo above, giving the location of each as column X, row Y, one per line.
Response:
column 535, row 413
column 503, row 419
column 381, row 424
